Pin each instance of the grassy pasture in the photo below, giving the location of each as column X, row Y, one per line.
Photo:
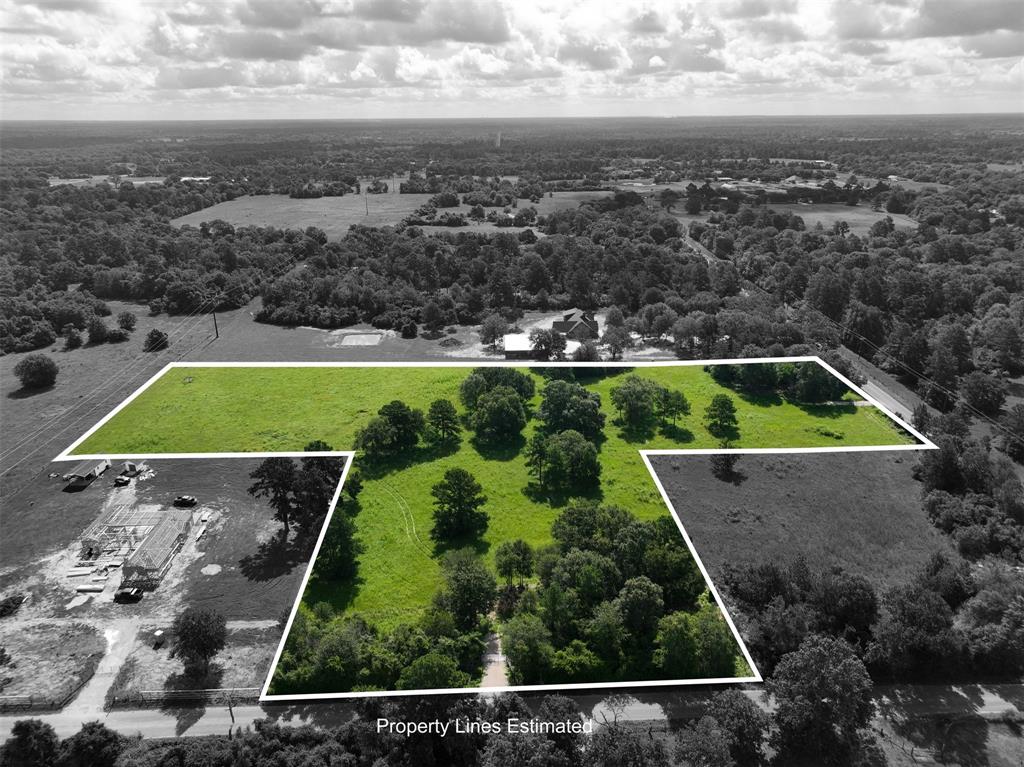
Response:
column 336, row 214
column 254, row 409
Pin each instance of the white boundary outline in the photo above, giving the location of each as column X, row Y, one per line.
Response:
column 349, row 455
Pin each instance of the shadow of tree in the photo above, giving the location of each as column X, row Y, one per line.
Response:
column 477, row 544
column 186, row 710
column 676, row 433
column 499, row 451
column 826, row 411
column 762, row 398
column 375, row 468
column 274, row 558
column 24, row 393
column 559, row 497
column 635, row 433
column 729, row 433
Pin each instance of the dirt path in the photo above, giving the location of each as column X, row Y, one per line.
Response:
column 88, row 704
column 495, row 663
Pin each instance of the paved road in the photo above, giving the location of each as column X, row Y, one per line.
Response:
column 495, row 664
column 700, row 250
column 988, row 701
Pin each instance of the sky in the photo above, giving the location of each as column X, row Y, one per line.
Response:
column 343, row 59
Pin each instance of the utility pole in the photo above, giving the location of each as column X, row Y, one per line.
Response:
column 366, row 200
column 216, row 330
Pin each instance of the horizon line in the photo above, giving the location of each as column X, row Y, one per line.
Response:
column 548, row 118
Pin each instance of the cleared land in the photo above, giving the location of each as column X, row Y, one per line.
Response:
column 282, row 409
column 861, row 511
column 860, row 217
column 336, row 214
column 49, row 660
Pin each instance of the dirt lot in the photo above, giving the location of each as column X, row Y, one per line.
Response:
column 334, row 215
column 49, row 660
column 244, row 663
column 223, row 570
column 858, row 510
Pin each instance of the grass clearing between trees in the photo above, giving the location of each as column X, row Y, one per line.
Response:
column 252, row 409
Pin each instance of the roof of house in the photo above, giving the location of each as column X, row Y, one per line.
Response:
column 517, row 342
column 88, row 465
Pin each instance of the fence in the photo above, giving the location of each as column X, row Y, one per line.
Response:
column 147, row 698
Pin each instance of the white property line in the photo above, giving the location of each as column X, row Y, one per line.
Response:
column 349, row 455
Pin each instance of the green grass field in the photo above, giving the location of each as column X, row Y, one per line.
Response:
column 228, row 409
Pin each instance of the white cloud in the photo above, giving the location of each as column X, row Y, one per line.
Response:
column 517, row 57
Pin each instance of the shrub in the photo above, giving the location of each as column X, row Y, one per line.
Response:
column 126, row 321
column 98, row 331
column 156, row 340
column 36, row 371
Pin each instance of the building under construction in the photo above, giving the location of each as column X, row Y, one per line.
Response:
column 141, row 541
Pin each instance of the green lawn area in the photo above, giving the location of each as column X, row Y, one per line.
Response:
column 228, row 409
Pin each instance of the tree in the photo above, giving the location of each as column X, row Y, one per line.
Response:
column 199, row 634
column 745, row 723
column 724, row 464
column 432, row 316
column 406, row 424
column 33, row 743
column 95, row 745
column 470, row 587
column 617, row 339
column 483, row 380
column 823, row 696
column 499, row 415
column 443, row 420
column 641, row 604
column 432, row 671
column 983, row 392
column 566, row 405
column 636, row 399
column 395, row 429
column 340, row 550
column 527, row 643
column 693, row 205
column 672, row 404
column 547, row 343
column 493, row 329
column 1013, row 432
column 156, row 340
column 514, row 558
column 570, row 462
column 98, row 331
column 275, row 480
column 36, row 371
column 72, row 338
column 457, row 501
column 704, row 743
column 587, row 351
column 126, row 321
column 720, row 415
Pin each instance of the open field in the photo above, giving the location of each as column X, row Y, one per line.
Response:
column 250, row 409
column 336, row 214
column 860, row 217
column 243, row 663
column 860, row 511
column 49, row 660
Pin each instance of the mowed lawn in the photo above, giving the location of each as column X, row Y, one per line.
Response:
column 284, row 408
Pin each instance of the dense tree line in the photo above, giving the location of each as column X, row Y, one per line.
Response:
column 616, row 598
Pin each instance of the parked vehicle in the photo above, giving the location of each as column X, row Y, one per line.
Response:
column 125, row 596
